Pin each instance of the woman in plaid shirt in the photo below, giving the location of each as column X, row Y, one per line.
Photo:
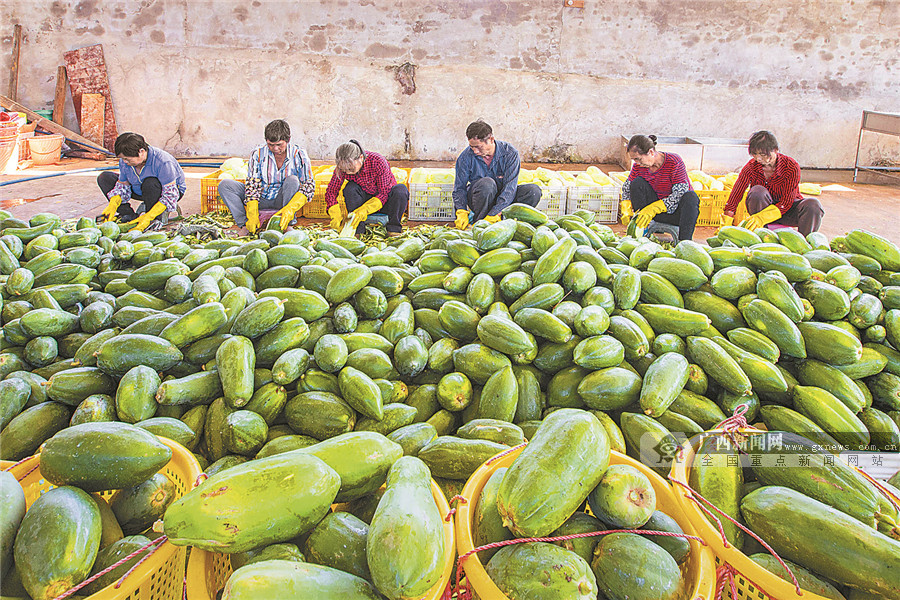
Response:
column 774, row 195
column 368, row 186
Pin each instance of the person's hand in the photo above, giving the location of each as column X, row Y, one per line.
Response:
column 627, row 212
column 290, row 209
column 109, row 213
column 252, row 208
column 492, row 218
column 334, row 211
column 462, row 219
column 762, row 218
column 372, row 205
column 143, row 221
column 643, row 218
column 726, row 220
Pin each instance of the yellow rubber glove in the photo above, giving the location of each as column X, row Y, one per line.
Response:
column 109, row 213
column 627, row 212
column 337, row 217
column 252, row 208
column 462, row 219
column 290, row 209
column 143, row 221
column 646, row 214
column 492, row 218
column 372, row 205
column 725, row 220
column 763, row 217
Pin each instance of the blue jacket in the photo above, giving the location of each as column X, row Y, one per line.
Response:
column 504, row 170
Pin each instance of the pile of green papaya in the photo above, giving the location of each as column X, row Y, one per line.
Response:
column 453, row 345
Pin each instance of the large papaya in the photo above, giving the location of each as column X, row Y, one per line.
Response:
column 554, row 474
column 57, row 542
column 406, row 512
column 223, row 514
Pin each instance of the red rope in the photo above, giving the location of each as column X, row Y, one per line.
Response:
column 11, row 467
column 463, row 592
column 697, row 498
column 725, row 573
column 200, row 479
column 152, row 547
column 505, row 452
column 456, row 498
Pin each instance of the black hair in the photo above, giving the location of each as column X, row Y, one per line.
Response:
column 641, row 143
column 478, row 130
column 278, row 131
column 130, row 144
column 762, row 142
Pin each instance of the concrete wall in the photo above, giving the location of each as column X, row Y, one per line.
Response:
column 405, row 77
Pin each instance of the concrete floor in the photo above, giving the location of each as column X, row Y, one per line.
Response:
column 872, row 207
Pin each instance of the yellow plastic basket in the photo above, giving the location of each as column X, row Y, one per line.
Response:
column 160, row 577
column 752, row 582
column 209, row 193
column 712, row 207
column 700, row 572
column 207, row 572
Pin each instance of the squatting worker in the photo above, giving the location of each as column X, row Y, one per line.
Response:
column 774, row 196
column 147, row 174
column 370, row 188
column 658, row 188
column 278, row 176
column 487, row 174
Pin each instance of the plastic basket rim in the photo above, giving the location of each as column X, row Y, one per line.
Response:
column 769, row 584
column 201, row 560
column 181, row 459
column 703, row 589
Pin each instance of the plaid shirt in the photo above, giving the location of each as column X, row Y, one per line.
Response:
column 784, row 185
column 374, row 177
column 264, row 178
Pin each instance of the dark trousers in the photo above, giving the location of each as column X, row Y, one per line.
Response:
column 151, row 190
column 684, row 217
column 482, row 196
column 397, row 201
column 805, row 215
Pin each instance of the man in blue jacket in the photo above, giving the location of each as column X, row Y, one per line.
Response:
column 487, row 174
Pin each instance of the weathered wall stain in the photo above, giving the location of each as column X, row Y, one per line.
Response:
column 559, row 83
column 405, row 75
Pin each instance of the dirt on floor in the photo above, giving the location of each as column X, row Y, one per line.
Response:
column 75, row 194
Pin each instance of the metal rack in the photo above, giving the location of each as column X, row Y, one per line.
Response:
column 877, row 122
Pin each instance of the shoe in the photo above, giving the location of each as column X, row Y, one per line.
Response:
column 394, row 233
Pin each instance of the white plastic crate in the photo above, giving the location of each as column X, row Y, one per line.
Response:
column 553, row 201
column 431, row 202
column 603, row 200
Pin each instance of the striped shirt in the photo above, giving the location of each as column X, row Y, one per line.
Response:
column 374, row 177
column 670, row 181
column 784, row 185
column 264, row 178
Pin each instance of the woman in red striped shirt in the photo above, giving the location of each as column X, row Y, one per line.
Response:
column 774, row 196
column 658, row 188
